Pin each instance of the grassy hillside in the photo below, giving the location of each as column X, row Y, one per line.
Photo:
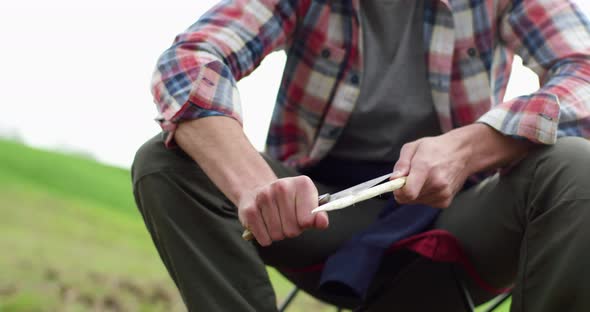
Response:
column 72, row 240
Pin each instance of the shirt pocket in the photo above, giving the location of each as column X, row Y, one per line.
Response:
column 470, row 83
column 325, row 57
column 317, row 72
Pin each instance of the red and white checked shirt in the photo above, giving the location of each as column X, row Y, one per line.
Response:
column 468, row 48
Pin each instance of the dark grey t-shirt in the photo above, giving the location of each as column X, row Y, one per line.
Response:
column 394, row 105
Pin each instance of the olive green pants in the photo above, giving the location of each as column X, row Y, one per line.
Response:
column 529, row 228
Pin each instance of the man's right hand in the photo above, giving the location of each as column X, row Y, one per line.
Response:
column 281, row 209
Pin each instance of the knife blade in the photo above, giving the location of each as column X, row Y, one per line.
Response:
column 357, row 188
column 361, row 195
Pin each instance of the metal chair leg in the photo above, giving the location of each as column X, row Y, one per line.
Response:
column 498, row 301
column 283, row 306
column 468, row 301
column 465, row 296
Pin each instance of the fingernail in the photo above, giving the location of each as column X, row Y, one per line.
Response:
column 396, row 174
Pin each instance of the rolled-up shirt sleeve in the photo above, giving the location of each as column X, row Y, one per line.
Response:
column 197, row 76
column 553, row 39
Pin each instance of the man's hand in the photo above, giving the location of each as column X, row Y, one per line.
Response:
column 437, row 167
column 281, row 209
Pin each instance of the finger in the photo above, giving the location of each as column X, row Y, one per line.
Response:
column 436, row 200
column 272, row 221
column 306, row 199
column 423, row 196
column 445, row 197
column 402, row 166
column 413, row 187
column 255, row 224
column 270, row 214
column 285, row 195
column 321, row 220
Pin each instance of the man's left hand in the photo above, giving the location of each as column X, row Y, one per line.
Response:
column 437, row 167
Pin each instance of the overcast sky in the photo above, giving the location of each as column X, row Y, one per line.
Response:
column 75, row 74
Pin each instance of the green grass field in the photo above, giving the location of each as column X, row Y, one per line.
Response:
column 72, row 240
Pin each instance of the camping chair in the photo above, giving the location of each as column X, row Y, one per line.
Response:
column 465, row 296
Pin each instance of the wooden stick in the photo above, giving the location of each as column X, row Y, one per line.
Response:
column 362, row 195
column 247, row 235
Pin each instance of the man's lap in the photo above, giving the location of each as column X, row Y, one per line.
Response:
column 487, row 219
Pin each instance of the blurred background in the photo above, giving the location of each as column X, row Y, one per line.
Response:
column 75, row 106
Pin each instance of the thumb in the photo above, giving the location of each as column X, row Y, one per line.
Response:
column 321, row 220
column 402, row 166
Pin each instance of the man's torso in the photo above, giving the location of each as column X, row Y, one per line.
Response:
column 394, row 104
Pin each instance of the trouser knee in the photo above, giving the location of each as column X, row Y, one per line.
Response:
column 560, row 172
column 167, row 178
column 153, row 156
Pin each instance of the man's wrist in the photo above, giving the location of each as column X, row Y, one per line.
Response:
column 491, row 149
column 221, row 149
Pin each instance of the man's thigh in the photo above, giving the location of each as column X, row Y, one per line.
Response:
column 483, row 220
column 489, row 221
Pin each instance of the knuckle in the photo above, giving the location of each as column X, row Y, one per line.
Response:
column 406, row 147
column 438, row 181
column 250, row 213
column 419, row 165
column 263, row 197
column 409, row 194
column 401, row 163
column 281, row 186
column 447, row 194
column 307, row 179
column 426, row 164
column 292, row 232
column 412, row 197
column 304, row 181
column 306, row 186
column 426, row 140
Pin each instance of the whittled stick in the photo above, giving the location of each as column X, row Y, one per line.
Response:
column 247, row 235
column 362, row 195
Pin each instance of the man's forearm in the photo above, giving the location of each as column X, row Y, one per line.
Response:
column 272, row 209
column 221, row 149
column 491, row 149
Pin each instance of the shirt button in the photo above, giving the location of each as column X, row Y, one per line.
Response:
column 472, row 52
column 354, row 79
column 326, row 53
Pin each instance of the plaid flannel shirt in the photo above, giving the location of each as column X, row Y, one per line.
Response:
column 468, row 44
